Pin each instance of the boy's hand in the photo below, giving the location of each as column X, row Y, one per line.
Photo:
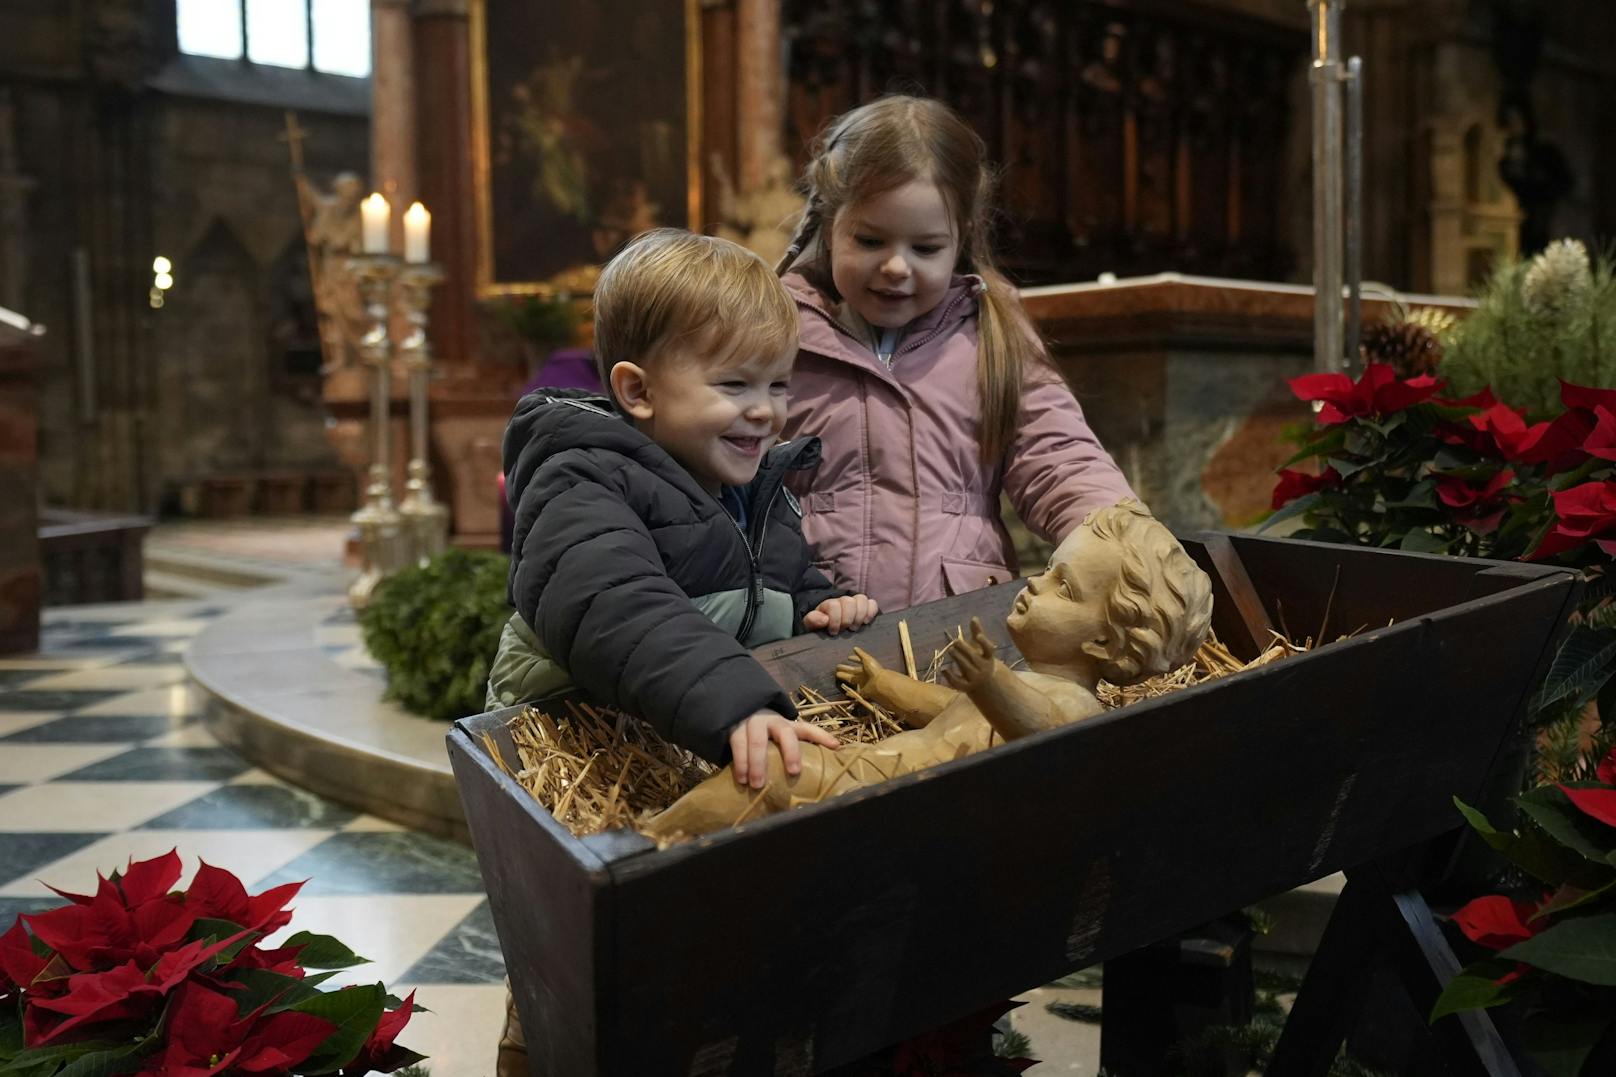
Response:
column 834, row 614
column 749, row 745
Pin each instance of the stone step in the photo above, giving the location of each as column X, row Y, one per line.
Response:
column 176, row 567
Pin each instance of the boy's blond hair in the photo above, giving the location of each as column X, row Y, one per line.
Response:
column 670, row 286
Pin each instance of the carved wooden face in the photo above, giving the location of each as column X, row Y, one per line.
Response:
column 1064, row 608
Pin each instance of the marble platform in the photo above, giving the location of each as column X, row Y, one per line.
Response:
column 289, row 686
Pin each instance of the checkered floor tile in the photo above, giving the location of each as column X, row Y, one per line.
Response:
column 103, row 759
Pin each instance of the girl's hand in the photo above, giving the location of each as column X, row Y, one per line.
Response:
column 834, row 614
column 749, row 745
column 972, row 662
column 860, row 671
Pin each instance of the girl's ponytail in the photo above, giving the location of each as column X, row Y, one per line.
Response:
column 807, row 228
column 1007, row 347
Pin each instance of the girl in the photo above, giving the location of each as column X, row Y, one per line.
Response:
column 919, row 370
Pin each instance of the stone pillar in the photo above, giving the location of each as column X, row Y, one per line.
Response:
column 759, row 118
column 14, row 188
column 392, row 112
column 444, row 168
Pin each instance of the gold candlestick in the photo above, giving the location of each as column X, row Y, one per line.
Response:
column 384, row 546
column 426, row 519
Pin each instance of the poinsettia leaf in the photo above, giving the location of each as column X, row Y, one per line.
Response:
column 56, row 1053
column 1290, row 510
column 1322, row 446
column 355, row 1011
column 1578, row 948
column 1560, row 1043
column 10, row 1033
column 272, row 990
column 1528, row 848
column 1570, row 897
column 1581, row 667
column 323, row 952
column 396, row 1058
column 1560, row 819
column 123, row 1059
column 1419, row 540
column 394, row 1002
column 1476, row 988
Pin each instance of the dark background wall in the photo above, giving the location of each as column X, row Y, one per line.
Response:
column 132, row 152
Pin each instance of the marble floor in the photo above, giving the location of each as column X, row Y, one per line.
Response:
column 102, row 759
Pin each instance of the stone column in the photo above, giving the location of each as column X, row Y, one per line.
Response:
column 759, row 118
column 444, row 163
column 392, row 112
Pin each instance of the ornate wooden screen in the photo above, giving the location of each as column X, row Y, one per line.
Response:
column 1136, row 137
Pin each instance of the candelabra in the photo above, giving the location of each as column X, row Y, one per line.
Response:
column 384, row 546
column 426, row 520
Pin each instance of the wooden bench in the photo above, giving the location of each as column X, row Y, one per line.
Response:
column 801, row 942
column 90, row 557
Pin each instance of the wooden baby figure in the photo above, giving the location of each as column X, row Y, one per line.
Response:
column 1121, row 601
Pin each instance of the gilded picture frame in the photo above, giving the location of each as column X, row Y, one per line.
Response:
column 586, row 131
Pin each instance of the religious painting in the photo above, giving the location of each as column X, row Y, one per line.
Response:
column 587, row 132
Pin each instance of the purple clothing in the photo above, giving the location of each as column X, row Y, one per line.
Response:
column 902, row 508
column 567, row 368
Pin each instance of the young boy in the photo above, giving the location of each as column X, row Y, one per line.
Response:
column 655, row 543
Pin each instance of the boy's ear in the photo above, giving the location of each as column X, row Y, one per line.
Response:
column 628, row 385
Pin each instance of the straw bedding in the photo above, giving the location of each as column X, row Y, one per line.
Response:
column 595, row 769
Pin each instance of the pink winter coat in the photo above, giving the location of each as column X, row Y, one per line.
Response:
column 901, row 507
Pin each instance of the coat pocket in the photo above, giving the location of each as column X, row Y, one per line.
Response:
column 962, row 577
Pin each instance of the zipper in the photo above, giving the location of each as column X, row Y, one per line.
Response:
column 942, row 324
column 754, row 595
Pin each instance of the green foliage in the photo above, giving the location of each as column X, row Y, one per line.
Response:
column 1521, row 348
column 1555, row 944
column 436, row 630
column 544, row 321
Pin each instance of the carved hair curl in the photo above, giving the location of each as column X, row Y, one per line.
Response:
column 1161, row 607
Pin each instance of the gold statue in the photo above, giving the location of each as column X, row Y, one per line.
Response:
column 763, row 220
column 1121, row 600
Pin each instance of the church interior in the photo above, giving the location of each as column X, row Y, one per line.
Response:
column 274, row 274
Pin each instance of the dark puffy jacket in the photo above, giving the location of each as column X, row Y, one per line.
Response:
column 638, row 584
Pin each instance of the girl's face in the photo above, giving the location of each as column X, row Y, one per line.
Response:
column 892, row 255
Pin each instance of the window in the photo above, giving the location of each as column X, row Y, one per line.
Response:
column 332, row 36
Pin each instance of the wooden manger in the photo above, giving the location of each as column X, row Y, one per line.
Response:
column 807, row 940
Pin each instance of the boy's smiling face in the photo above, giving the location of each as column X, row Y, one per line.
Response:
column 715, row 412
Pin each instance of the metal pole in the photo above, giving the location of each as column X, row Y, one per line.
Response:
column 1355, row 219
column 1325, row 75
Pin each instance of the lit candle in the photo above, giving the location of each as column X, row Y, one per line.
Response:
column 417, row 226
column 373, row 213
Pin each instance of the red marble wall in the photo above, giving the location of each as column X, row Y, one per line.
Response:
column 19, row 498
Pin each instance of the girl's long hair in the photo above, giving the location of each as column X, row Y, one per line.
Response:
column 883, row 145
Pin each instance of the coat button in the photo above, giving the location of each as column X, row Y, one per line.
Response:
column 992, row 580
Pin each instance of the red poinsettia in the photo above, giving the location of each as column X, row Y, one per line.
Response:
column 1498, row 922
column 1378, row 392
column 205, row 1037
column 1597, row 803
column 379, row 1050
column 1585, row 513
column 1293, row 484
column 177, row 977
column 1479, row 508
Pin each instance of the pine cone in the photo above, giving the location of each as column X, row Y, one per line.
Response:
column 1410, row 347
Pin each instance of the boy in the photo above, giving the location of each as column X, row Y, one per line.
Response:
column 648, row 555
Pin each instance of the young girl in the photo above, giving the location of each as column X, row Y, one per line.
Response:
column 920, row 371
